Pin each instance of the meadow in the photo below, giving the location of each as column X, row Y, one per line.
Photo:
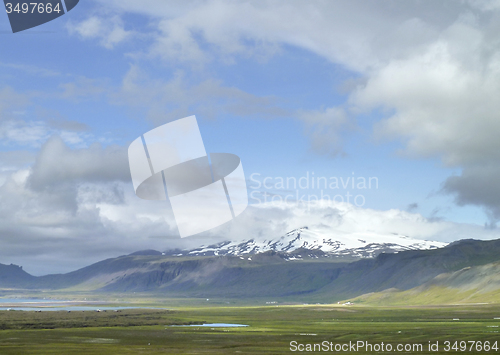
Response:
column 272, row 329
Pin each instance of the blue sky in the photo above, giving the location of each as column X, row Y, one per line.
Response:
column 404, row 92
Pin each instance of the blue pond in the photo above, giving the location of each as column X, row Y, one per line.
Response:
column 213, row 325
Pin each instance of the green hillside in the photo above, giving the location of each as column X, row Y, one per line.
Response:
column 476, row 284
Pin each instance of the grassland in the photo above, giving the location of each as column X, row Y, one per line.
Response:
column 428, row 296
column 271, row 328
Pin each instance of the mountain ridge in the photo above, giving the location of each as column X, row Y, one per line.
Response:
column 269, row 274
column 316, row 243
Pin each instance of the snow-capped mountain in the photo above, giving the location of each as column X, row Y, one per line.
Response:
column 305, row 242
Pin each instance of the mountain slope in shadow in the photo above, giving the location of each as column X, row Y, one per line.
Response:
column 263, row 275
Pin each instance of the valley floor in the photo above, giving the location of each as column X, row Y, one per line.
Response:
column 272, row 329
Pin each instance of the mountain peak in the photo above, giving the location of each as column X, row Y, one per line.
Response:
column 315, row 242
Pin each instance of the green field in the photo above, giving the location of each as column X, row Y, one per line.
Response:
column 271, row 329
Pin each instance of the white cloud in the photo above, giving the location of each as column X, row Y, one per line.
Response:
column 273, row 220
column 445, row 104
column 326, row 128
column 77, row 206
column 435, row 64
column 178, row 97
column 11, row 100
column 485, row 5
column 110, row 31
column 76, row 225
column 21, row 133
column 434, row 67
column 477, row 185
column 58, row 164
column 73, row 207
column 20, row 127
column 359, row 35
column 31, row 133
column 84, row 222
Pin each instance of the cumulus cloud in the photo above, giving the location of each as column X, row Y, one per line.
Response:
column 76, row 206
column 477, row 185
column 58, row 164
column 62, row 229
column 15, row 159
column 73, row 207
column 443, row 102
column 444, row 105
column 433, row 68
column 59, row 230
column 434, row 64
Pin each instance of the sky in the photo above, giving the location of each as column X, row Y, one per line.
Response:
column 402, row 94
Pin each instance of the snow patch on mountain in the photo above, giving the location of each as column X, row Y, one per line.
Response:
column 304, row 242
